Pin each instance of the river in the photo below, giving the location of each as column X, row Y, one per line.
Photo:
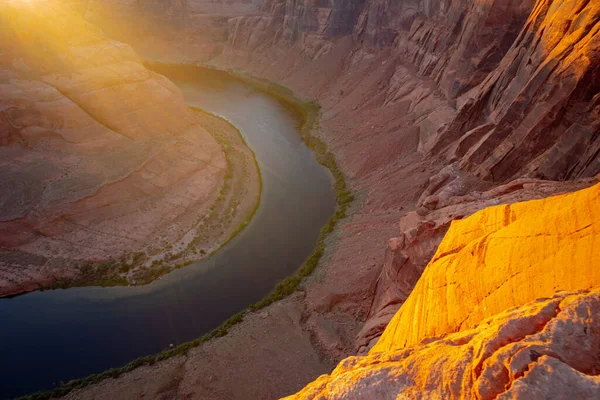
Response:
column 52, row 336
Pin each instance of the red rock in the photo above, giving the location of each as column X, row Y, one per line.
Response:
column 101, row 156
column 494, row 314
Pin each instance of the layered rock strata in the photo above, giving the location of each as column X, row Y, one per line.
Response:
column 506, row 309
column 545, row 349
column 100, row 157
column 422, row 232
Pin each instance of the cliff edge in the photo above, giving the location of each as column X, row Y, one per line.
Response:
column 507, row 308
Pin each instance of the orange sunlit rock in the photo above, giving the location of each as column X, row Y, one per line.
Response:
column 478, row 295
column 498, row 258
column 546, row 349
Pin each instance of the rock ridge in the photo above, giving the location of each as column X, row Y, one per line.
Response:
column 505, row 309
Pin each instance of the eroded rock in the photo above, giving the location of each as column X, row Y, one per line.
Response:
column 544, row 349
column 496, row 314
column 423, row 231
column 99, row 156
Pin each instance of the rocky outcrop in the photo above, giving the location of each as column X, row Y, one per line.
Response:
column 498, row 258
column 536, row 114
column 445, row 200
column 546, row 349
column 494, row 314
column 100, row 157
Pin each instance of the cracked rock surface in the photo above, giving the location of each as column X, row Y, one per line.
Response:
column 546, row 349
column 503, row 310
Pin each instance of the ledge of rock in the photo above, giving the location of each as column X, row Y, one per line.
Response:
column 494, row 313
column 422, row 231
column 546, row 349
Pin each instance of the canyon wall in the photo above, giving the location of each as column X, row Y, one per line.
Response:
column 497, row 91
column 513, row 82
column 434, row 109
column 518, row 79
column 506, row 309
column 100, row 156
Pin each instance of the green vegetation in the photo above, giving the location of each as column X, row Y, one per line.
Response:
column 308, row 114
column 244, row 223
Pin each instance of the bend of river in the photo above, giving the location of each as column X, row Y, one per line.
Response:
column 52, row 336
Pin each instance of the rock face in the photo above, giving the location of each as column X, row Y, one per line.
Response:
column 520, row 78
column 494, row 314
column 99, row 156
column 536, row 114
column 546, row 349
column 501, row 257
column 422, row 232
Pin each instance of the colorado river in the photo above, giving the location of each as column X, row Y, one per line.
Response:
column 52, row 336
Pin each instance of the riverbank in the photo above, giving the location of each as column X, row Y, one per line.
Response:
column 322, row 317
column 196, row 234
column 307, row 116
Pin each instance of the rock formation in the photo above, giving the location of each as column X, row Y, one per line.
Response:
column 422, row 232
column 100, row 156
column 503, row 310
column 546, row 349
column 435, row 109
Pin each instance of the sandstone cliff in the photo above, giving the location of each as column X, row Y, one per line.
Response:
column 100, row 157
column 518, row 80
column 422, row 232
column 434, row 109
column 494, row 314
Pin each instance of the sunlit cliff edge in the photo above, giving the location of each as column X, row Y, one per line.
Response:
column 509, row 307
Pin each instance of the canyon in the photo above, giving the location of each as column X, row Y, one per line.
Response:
column 434, row 110
column 106, row 173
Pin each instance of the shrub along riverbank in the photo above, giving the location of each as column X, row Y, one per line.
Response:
column 308, row 116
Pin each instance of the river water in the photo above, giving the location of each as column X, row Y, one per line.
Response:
column 52, row 336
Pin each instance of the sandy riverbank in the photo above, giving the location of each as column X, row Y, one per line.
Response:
column 199, row 231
